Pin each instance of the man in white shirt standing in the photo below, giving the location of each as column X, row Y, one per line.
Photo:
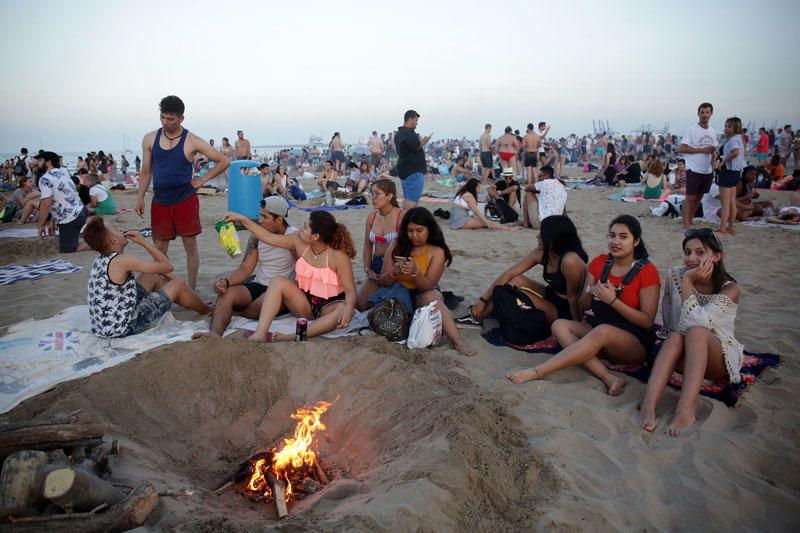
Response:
column 60, row 199
column 699, row 146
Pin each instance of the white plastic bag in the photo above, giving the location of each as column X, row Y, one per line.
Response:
column 660, row 209
column 426, row 327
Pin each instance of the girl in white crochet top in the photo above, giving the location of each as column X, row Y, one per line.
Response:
column 699, row 309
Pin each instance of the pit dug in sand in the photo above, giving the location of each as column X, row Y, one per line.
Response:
column 411, row 443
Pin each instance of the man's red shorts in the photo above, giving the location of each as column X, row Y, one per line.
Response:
column 169, row 221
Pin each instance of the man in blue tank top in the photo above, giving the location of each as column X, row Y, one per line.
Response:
column 168, row 155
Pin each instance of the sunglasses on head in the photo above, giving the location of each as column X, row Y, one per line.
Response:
column 702, row 232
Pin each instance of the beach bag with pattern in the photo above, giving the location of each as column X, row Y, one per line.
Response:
column 390, row 319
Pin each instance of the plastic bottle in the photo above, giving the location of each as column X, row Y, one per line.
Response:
column 328, row 198
column 228, row 238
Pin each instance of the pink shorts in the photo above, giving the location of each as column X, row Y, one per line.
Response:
column 169, row 221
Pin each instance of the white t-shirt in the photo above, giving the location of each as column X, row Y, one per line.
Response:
column 99, row 192
column 274, row 261
column 552, row 198
column 697, row 137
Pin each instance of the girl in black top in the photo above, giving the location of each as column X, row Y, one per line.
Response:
column 563, row 260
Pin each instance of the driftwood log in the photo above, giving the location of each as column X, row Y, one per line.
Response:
column 127, row 514
column 50, row 437
column 17, row 481
column 75, row 417
column 75, row 489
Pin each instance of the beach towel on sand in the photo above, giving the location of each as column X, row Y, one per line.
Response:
column 764, row 224
column 325, row 207
column 727, row 393
column 19, row 233
column 14, row 273
column 36, row 355
column 286, row 324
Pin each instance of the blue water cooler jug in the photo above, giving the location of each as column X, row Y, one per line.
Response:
column 244, row 192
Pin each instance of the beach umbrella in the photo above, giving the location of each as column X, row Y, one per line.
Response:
column 296, row 151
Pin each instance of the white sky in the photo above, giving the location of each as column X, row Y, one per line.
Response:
column 86, row 74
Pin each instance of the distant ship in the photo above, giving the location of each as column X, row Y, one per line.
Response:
column 314, row 140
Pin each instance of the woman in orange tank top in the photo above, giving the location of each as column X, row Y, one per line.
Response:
column 416, row 260
column 325, row 291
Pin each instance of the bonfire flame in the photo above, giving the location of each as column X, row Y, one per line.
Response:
column 295, row 453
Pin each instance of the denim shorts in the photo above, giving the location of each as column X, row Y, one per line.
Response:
column 729, row 178
column 412, row 186
column 376, row 265
column 150, row 307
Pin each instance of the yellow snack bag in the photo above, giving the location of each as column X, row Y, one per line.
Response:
column 228, row 238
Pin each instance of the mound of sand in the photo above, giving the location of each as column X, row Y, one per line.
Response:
column 415, row 442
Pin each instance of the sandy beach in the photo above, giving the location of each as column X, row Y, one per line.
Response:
column 429, row 440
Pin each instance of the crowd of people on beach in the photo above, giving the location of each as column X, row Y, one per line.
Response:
column 308, row 271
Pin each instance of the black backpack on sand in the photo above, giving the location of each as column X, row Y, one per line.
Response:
column 499, row 210
column 520, row 321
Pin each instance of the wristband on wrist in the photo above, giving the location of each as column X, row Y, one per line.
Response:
column 612, row 301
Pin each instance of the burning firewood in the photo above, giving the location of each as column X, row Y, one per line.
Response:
column 285, row 473
column 321, row 477
column 278, row 487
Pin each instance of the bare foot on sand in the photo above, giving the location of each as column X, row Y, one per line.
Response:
column 202, row 335
column 615, row 385
column 647, row 419
column 523, row 375
column 464, row 349
column 680, row 423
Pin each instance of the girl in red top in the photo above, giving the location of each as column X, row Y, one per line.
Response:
column 623, row 291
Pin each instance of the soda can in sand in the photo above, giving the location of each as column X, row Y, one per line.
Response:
column 300, row 330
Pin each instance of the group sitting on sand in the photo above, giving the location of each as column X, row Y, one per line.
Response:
column 308, row 272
